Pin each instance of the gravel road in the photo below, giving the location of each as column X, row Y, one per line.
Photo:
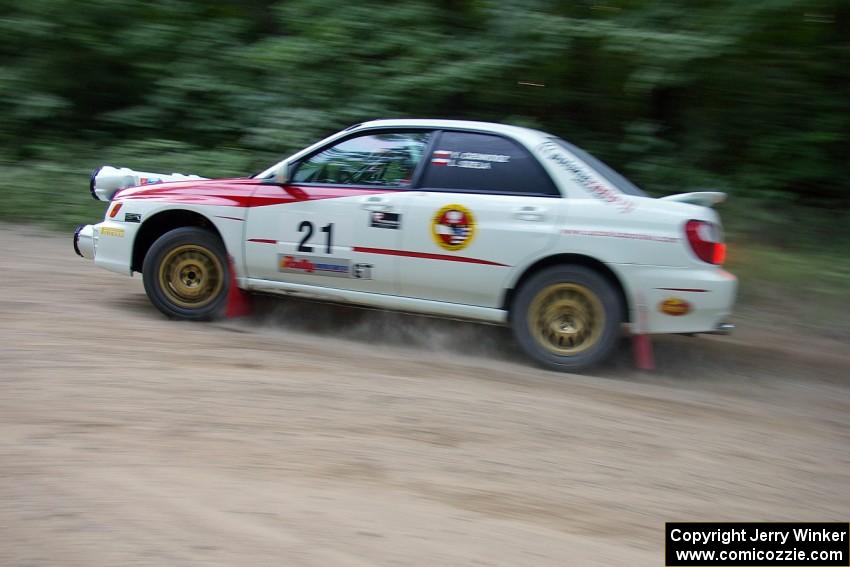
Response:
column 317, row 435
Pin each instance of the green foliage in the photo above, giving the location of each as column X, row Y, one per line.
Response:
column 807, row 291
column 748, row 97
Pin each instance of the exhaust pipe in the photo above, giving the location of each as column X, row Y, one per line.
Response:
column 723, row 329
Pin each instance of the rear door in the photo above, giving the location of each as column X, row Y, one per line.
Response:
column 483, row 205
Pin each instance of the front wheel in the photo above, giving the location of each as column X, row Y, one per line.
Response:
column 186, row 274
column 567, row 317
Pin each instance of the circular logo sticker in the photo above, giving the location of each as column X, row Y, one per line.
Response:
column 453, row 227
column 675, row 307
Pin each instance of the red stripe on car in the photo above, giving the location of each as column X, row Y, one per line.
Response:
column 425, row 255
column 241, row 192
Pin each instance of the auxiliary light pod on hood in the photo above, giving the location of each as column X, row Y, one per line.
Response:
column 106, row 180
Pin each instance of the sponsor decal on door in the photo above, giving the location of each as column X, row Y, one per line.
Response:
column 453, row 227
column 385, row 220
column 314, row 265
column 323, row 266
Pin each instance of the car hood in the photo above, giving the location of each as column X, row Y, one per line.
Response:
column 224, row 192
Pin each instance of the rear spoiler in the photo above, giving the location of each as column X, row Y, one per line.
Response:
column 704, row 198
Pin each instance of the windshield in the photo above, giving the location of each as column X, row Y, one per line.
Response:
column 603, row 169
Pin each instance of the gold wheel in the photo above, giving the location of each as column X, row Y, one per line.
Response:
column 191, row 276
column 566, row 318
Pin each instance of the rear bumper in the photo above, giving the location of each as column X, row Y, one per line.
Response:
column 678, row 300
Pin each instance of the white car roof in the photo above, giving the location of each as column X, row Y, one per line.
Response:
column 442, row 123
column 525, row 135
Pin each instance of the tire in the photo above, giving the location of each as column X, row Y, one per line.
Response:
column 567, row 317
column 187, row 275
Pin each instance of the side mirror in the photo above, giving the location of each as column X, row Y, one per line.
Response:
column 281, row 176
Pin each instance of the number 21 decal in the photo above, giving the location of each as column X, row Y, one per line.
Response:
column 307, row 228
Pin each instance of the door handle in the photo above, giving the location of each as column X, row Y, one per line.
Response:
column 529, row 213
column 375, row 203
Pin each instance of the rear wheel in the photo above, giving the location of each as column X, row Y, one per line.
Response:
column 567, row 317
column 186, row 274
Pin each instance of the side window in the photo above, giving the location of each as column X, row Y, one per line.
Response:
column 384, row 159
column 466, row 161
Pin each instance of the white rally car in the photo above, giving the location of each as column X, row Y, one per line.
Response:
column 459, row 219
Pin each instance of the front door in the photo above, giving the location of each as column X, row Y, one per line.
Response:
column 343, row 204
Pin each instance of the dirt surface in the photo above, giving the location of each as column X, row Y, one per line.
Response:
column 316, row 435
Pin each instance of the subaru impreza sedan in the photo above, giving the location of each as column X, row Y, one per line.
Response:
column 465, row 220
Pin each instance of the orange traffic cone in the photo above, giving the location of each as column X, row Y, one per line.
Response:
column 238, row 300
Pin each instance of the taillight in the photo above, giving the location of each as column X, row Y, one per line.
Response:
column 705, row 240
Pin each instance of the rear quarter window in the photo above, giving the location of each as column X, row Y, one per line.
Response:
column 603, row 169
column 484, row 163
